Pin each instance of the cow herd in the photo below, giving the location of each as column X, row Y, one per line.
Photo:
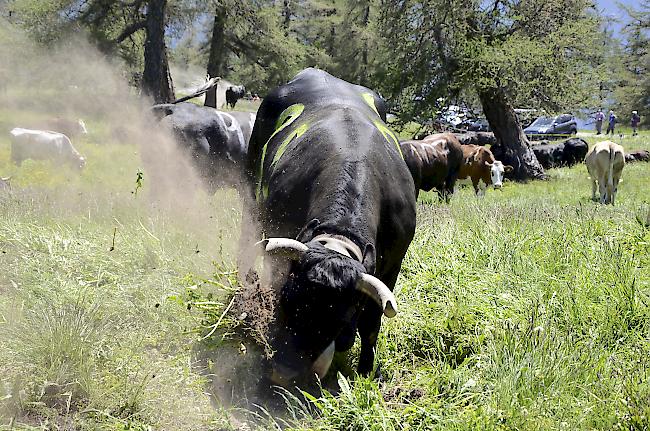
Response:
column 331, row 193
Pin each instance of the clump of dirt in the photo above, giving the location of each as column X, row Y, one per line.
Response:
column 236, row 365
column 399, row 394
column 254, row 307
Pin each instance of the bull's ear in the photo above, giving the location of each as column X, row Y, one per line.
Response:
column 286, row 247
column 379, row 292
column 508, row 169
column 307, row 232
column 369, row 260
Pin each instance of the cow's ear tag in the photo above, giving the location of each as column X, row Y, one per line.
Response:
column 369, row 258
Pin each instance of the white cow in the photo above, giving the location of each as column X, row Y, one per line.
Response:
column 605, row 162
column 43, row 145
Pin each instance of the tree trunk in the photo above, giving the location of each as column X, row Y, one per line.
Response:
column 217, row 54
column 286, row 15
column 365, row 19
column 156, row 80
column 512, row 146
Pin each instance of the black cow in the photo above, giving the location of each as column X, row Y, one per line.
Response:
column 567, row 153
column 476, row 138
column 327, row 171
column 637, row 156
column 233, row 94
column 216, row 142
column 434, row 162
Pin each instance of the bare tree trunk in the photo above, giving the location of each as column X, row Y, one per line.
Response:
column 365, row 19
column 512, row 146
column 286, row 14
column 217, row 54
column 156, row 80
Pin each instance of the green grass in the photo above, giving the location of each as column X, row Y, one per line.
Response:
column 528, row 309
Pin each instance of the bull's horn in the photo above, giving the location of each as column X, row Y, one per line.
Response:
column 286, row 246
column 379, row 292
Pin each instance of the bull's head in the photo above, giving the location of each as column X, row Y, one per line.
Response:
column 319, row 303
column 497, row 171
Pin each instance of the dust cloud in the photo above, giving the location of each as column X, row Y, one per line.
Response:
column 73, row 80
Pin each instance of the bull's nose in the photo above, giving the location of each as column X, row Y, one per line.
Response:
column 282, row 375
column 498, row 186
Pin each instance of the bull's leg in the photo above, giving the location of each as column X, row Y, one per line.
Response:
column 616, row 179
column 450, row 184
column 476, row 186
column 369, row 324
column 602, row 186
column 593, row 189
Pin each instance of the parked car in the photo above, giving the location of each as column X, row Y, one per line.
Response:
column 564, row 124
column 478, row 125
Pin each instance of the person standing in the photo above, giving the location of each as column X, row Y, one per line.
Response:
column 611, row 124
column 599, row 121
column 634, row 122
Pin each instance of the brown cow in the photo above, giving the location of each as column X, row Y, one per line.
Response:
column 605, row 162
column 434, row 162
column 481, row 167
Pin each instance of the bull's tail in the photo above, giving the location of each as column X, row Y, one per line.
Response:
column 610, row 170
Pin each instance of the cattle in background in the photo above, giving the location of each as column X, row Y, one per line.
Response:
column 476, row 138
column 567, row 153
column 4, row 183
column 605, row 162
column 637, row 156
column 70, row 128
column 216, row 142
column 434, row 162
column 43, row 145
column 233, row 94
column 480, row 166
column 331, row 190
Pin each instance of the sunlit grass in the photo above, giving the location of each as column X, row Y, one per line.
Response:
column 526, row 309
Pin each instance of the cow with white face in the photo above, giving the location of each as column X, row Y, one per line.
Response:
column 44, row 145
column 482, row 168
column 605, row 162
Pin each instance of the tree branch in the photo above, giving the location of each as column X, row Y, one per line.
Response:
column 128, row 31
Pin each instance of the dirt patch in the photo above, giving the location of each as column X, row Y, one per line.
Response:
column 254, row 307
column 401, row 395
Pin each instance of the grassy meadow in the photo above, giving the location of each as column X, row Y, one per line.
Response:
column 528, row 309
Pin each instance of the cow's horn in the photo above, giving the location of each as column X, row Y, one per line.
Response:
column 286, row 246
column 379, row 292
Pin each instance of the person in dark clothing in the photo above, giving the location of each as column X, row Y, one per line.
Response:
column 611, row 124
column 634, row 122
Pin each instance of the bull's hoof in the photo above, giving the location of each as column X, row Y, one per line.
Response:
column 378, row 374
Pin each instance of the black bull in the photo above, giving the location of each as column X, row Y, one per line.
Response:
column 326, row 170
column 216, row 142
column 567, row 153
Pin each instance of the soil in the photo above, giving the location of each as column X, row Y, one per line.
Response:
column 254, row 307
